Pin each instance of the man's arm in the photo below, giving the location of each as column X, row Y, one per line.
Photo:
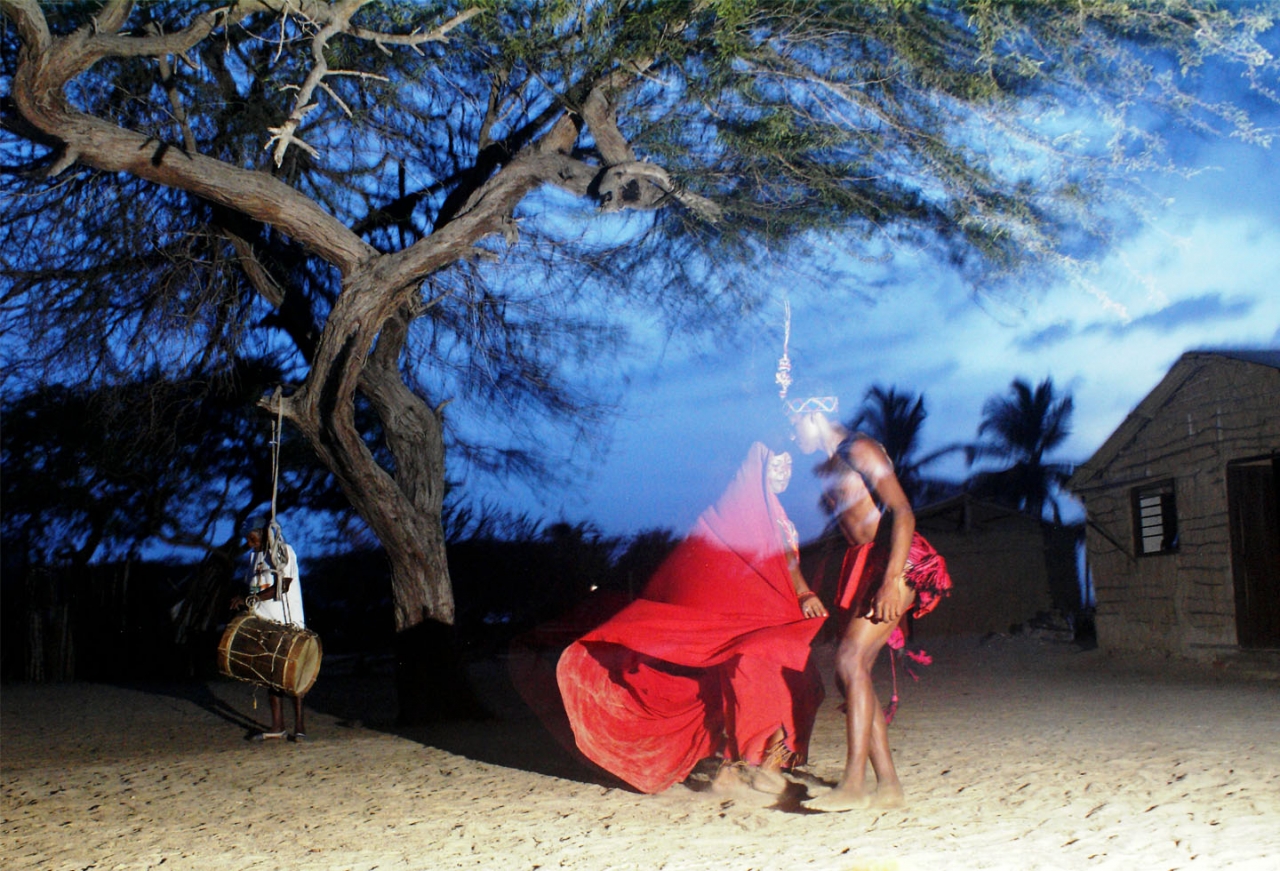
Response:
column 869, row 459
column 289, row 573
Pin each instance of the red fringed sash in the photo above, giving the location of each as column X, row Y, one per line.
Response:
column 864, row 567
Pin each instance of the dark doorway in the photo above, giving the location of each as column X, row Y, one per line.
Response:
column 1253, row 497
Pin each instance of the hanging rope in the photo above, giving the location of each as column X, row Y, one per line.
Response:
column 275, row 548
column 275, row 450
column 783, row 376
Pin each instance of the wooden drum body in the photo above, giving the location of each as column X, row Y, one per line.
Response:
column 285, row 658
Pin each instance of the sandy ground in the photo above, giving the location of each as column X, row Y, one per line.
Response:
column 1015, row 754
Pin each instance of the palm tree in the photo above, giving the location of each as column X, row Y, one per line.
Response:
column 895, row 419
column 1021, row 428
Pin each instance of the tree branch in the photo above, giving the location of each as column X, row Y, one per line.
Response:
column 339, row 21
column 38, row 93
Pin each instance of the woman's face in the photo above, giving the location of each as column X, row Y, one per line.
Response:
column 778, row 472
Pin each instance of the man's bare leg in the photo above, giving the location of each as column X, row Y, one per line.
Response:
column 299, row 720
column 866, row 732
column 277, row 712
column 277, row 717
column 888, row 787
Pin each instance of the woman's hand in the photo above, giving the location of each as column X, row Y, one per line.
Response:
column 811, row 605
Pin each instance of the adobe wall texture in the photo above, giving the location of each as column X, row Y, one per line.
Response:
column 1227, row 411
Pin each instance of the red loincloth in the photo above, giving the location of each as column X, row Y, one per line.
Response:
column 863, row 571
column 714, row 657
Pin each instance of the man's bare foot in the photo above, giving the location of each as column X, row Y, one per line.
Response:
column 889, row 796
column 836, row 800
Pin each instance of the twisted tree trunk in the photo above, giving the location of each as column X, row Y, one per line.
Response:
column 360, row 345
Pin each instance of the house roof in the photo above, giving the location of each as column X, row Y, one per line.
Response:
column 959, row 501
column 964, row 507
column 1186, row 367
column 1261, row 356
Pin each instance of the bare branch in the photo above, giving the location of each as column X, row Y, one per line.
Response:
column 415, row 39
column 339, row 21
column 113, row 16
column 603, row 124
column 38, row 92
column 167, row 81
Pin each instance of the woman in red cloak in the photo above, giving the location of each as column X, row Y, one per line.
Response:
column 714, row 655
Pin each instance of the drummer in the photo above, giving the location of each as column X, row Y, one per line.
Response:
column 275, row 594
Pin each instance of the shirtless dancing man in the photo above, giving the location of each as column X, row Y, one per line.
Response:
column 879, row 582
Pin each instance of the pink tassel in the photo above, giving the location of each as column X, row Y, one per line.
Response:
column 897, row 644
column 892, row 707
column 889, row 710
column 920, row 656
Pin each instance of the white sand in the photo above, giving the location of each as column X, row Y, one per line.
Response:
column 1017, row 754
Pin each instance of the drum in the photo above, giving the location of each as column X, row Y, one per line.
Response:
column 286, row 658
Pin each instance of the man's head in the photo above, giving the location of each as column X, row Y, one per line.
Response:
column 807, row 431
column 255, row 532
column 809, row 421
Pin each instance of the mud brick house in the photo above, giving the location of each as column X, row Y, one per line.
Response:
column 1183, row 511
column 1007, row 566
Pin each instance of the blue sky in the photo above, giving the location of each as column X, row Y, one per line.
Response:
column 1205, row 273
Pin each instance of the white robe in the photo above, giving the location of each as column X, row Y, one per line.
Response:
column 287, row 606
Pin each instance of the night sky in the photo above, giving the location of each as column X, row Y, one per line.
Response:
column 1204, row 274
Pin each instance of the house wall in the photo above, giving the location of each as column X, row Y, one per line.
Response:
column 1177, row 602
column 997, row 565
column 998, row 575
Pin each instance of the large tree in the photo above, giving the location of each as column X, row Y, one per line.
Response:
column 397, row 192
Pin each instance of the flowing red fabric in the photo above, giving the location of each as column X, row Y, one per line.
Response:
column 714, row 656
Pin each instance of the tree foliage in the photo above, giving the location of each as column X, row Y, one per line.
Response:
column 895, row 420
column 1020, row 430
column 155, row 460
